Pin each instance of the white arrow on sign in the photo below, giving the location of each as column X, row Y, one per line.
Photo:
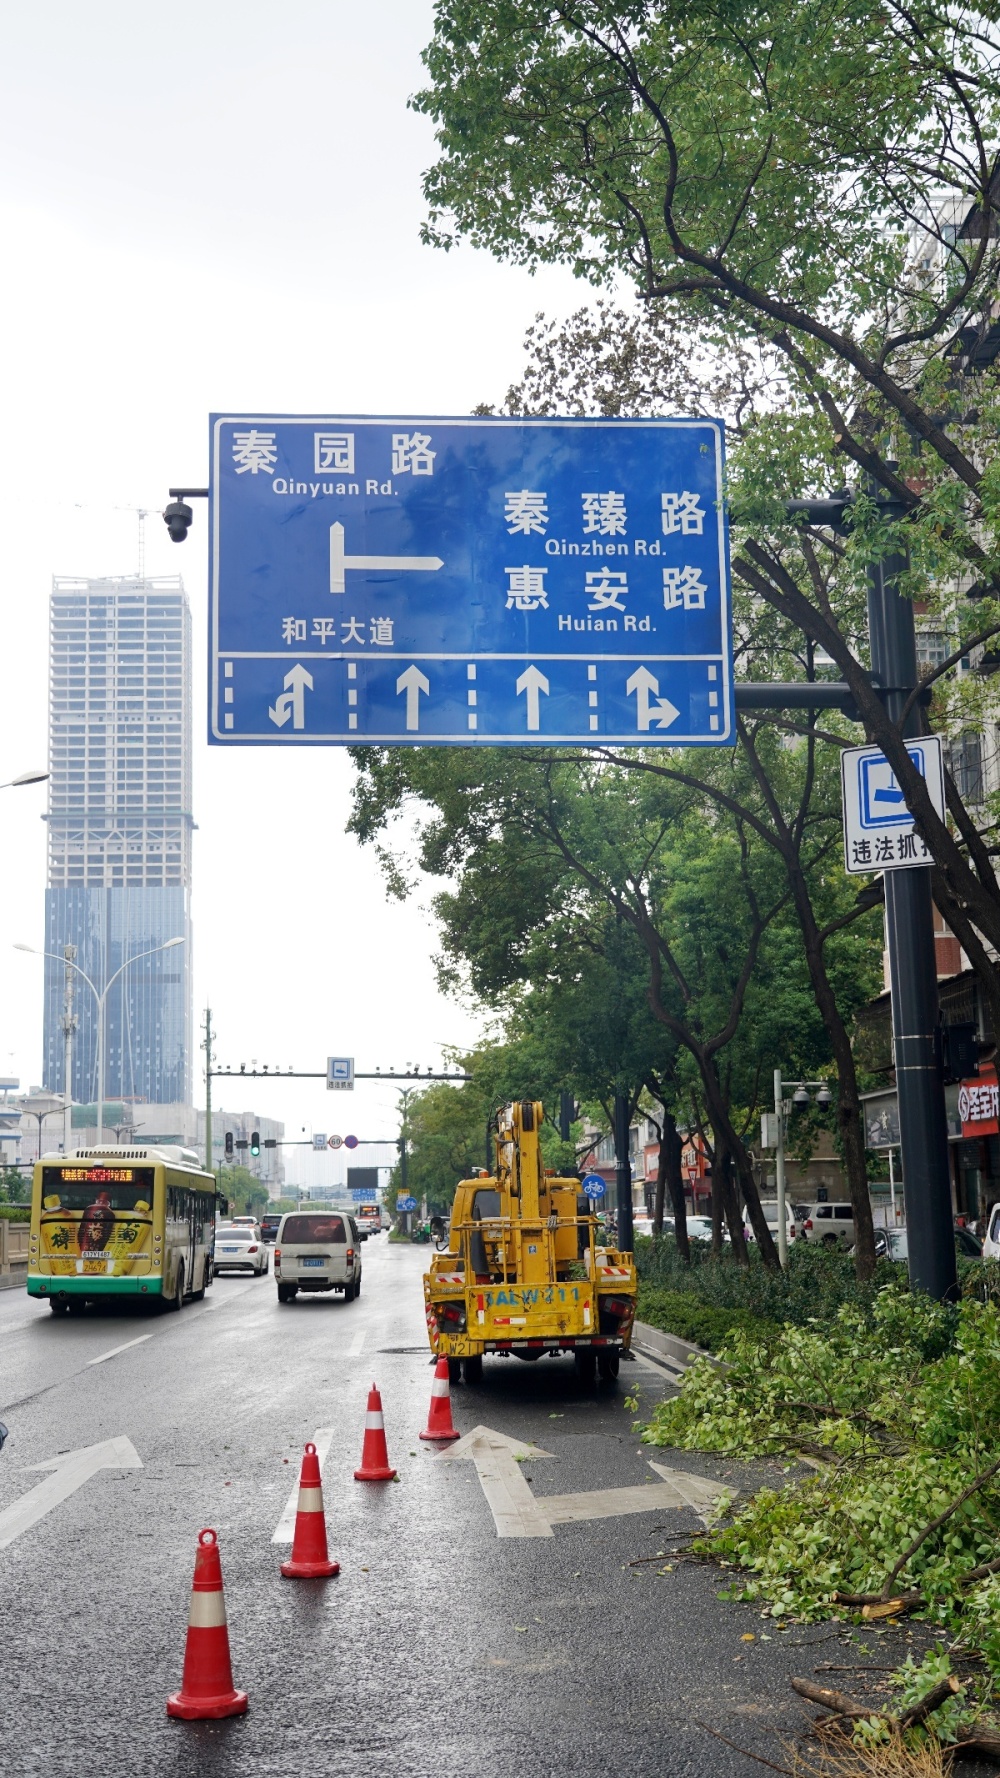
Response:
column 645, row 686
column 292, row 702
column 72, row 1469
column 516, row 1512
column 519, row 1513
column 532, row 682
column 339, row 562
column 413, row 682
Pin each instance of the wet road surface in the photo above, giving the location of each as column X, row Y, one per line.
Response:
column 440, row 1649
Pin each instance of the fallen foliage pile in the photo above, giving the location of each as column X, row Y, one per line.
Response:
column 899, row 1409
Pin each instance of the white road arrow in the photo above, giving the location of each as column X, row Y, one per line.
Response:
column 292, row 702
column 519, row 1513
column 71, row 1469
column 516, row 1512
column 339, row 562
column 531, row 683
column 645, row 686
column 413, row 682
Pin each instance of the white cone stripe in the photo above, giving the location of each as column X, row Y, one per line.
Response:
column 284, row 1531
column 440, row 1388
column 374, row 1422
column 208, row 1611
column 310, row 1500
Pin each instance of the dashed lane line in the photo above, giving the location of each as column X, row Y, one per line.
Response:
column 285, row 1528
column 357, row 1344
column 125, row 1347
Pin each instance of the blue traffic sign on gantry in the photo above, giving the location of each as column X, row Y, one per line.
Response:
column 450, row 581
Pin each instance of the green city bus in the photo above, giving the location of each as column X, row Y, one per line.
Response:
column 137, row 1222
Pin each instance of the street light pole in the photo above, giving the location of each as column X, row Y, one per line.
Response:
column 69, row 1023
column 101, row 996
column 779, row 1166
column 823, row 1100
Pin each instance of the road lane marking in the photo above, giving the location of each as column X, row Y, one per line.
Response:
column 116, row 1349
column 285, row 1528
column 72, row 1469
column 357, row 1345
column 516, row 1512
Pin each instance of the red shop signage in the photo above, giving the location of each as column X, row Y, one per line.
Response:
column 979, row 1104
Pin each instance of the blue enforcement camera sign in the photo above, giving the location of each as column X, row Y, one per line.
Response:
column 468, row 581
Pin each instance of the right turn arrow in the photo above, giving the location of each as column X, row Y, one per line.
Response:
column 645, row 686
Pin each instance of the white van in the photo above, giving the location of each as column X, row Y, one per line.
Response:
column 317, row 1250
column 991, row 1245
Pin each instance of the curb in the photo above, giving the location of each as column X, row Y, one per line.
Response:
column 670, row 1353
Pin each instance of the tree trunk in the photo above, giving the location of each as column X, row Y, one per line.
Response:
column 718, row 1202
column 727, row 1137
column 675, row 1180
column 730, row 1197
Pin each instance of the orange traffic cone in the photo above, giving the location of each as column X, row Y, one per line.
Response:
column 374, row 1454
column 310, row 1559
column 207, row 1686
column 439, row 1426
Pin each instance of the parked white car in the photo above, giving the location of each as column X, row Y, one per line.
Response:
column 317, row 1250
column 240, row 1249
column 831, row 1224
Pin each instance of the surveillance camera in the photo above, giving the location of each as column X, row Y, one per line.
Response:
column 177, row 518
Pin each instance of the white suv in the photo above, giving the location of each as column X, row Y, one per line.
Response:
column 317, row 1250
column 832, row 1224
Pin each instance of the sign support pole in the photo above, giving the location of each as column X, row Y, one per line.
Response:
column 909, row 918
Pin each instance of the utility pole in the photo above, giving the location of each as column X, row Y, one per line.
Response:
column 207, row 1047
column 69, row 1023
column 909, row 920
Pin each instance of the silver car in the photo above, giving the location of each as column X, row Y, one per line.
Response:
column 240, row 1249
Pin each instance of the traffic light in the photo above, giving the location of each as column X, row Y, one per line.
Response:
column 229, row 1145
column 255, row 1142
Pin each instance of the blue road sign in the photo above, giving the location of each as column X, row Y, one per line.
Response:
column 594, row 1186
column 468, row 581
column 406, row 1204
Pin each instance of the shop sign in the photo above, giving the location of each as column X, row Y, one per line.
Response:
column 979, row 1105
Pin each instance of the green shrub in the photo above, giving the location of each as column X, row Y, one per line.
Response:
column 901, row 1408
column 678, row 1312
column 817, row 1284
column 15, row 1212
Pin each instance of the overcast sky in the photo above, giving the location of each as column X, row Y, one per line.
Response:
column 217, row 206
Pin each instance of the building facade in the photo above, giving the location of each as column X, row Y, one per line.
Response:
column 120, row 823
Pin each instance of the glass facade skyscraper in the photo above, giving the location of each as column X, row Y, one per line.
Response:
column 119, row 857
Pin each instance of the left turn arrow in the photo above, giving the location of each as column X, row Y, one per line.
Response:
column 70, row 1470
column 292, row 702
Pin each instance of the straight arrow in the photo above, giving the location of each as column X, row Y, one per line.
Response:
column 339, row 562
column 413, row 682
column 532, row 682
column 516, row 1512
column 72, row 1469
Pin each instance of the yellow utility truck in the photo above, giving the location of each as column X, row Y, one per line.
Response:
column 524, row 1274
